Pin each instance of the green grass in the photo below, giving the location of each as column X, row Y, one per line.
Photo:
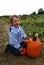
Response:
column 35, row 23
column 33, row 26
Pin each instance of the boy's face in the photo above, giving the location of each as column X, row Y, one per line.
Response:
column 16, row 22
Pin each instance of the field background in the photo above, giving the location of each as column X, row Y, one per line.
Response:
column 30, row 24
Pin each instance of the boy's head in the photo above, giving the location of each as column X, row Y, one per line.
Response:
column 15, row 20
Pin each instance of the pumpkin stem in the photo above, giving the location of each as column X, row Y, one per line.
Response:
column 34, row 37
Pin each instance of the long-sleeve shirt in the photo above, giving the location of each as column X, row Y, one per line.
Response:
column 16, row 36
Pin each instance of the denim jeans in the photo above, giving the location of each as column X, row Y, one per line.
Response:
column 15, row 51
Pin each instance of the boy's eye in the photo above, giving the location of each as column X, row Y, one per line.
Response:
column 16, row 20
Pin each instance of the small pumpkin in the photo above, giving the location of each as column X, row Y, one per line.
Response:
column 23, row 52
column 33, row 48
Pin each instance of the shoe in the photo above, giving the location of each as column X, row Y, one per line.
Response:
column 6, row 47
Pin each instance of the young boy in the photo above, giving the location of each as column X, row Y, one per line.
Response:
column 16, row 36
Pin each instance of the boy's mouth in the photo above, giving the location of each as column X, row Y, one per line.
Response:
column 17, row 25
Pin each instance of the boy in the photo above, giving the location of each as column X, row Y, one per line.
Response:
column 16, row 36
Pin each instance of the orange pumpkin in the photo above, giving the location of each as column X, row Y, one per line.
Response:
column 33, row 48
column 27, row 41
column 23, row 52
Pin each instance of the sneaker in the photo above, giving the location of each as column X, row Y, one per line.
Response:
column 6, row 47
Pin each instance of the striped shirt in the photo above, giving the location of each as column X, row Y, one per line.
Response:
column 16, row 36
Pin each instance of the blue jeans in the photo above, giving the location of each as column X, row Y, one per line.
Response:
column 15, row 51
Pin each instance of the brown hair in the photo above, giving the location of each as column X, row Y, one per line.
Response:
column 11, row 19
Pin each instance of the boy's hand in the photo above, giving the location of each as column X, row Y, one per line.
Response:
column 20, row 49
column 25, row 38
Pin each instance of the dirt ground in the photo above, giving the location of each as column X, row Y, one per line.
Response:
column 8, row 58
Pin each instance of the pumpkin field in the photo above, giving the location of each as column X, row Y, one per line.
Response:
column 31, row 24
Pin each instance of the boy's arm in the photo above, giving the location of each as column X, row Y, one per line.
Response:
column 23, row 34
column 13, row 40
